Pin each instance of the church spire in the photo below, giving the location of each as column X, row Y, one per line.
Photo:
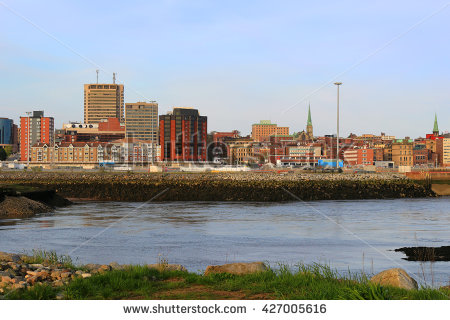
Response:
column 309, row 123
column 435, row 128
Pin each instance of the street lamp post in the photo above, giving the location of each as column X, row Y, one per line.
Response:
column 337, row 136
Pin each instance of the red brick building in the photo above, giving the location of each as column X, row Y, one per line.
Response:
column 353, row 157
column 220, row 136
column 35, row 129
column 182, row 135
column 106, row 130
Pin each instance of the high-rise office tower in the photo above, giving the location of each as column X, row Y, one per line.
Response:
column 35, row 128
column 182, row 135
column 141, row 121
column 102, row 101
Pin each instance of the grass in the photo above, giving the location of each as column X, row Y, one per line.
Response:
column 49, row 257
column 309, row 282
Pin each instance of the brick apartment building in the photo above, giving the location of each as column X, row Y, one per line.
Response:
column 402, row 152
column 362, row 156
column 265, row 128
column 35, row 129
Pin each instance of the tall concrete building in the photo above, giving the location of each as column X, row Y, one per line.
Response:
column 102, row 101
column 182, row 135
column 35, row 129
column 141, row 121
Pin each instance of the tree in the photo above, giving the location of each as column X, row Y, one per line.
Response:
column 3, row 154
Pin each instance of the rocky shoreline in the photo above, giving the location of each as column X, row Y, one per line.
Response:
column 239, row 186
column 23, row 272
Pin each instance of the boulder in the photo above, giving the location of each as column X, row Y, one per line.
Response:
column 167, row 267
column 116, row 266
column 395, row 277
column 237, row 268
column 92, row 266
column 104, row 268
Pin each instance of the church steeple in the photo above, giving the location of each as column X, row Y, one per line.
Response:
column 435, row 128
column 309, row 123
column 309, row 126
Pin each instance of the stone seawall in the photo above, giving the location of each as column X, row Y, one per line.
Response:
column 222, row 186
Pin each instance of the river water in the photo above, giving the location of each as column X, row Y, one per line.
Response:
column 347, row 235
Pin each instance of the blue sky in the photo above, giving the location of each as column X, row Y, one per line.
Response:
column 236, row 61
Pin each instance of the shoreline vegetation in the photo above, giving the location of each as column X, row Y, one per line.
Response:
column 45, row 275
column 242, row 186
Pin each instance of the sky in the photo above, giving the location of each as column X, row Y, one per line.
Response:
column 237, row 62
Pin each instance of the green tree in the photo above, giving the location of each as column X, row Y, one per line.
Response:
column 3, row 154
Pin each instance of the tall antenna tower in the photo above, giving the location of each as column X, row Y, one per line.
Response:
column 114, row 77
column 97, row 74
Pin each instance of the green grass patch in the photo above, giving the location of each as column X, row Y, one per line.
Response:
column 308, row 282
column 49, row 257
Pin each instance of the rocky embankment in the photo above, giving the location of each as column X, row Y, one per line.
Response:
column 21, row 202
column 236, row 186
column 19, row 272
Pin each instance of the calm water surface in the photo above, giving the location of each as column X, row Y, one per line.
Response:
column 348, row 235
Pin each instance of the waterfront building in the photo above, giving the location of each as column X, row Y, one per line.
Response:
column 6, row 131
column 35, row 128
column 106, row 130
column 70, row 153
column 422, row 156
column 240, row 149
column 136, row 151
column 102, row 101
column 141, row 121
column 301, row 155
column 402, row 152
column 220, row 136
column 359, row 156
column 443, row 151
column 265, row 128
column 182, row 135
column 8, row 135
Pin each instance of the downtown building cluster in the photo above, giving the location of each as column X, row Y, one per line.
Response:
column 115, row 132
column 271, row 143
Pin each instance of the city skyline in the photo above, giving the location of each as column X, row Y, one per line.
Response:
column 258, row 73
